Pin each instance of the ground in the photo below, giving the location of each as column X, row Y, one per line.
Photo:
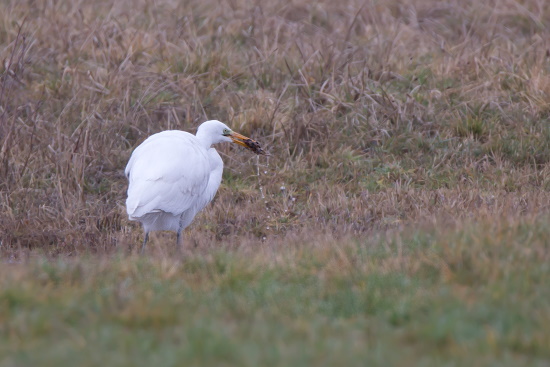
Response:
column 402, row 217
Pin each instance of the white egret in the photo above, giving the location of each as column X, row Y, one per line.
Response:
column 173, row 175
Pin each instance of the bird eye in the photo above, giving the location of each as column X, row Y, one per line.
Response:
column 226, row 132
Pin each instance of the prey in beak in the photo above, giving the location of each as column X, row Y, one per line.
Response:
column 246, row 142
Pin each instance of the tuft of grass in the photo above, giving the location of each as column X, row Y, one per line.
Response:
column 471, row 127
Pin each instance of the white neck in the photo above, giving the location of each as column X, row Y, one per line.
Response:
column 205, row 138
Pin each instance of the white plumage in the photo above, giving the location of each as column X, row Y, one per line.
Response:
column 173, row 175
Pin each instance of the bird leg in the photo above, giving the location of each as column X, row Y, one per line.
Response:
column 144, row 242
column 178, row 241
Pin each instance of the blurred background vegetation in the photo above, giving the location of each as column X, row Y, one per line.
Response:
column 404, row 205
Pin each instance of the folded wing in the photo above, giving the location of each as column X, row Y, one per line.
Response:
column 168, row 172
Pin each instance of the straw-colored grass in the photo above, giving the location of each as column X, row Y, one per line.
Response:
column 404, row 206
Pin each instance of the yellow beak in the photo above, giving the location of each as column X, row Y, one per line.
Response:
column 246, row 142
column 239, row 139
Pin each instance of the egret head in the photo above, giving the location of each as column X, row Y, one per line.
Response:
column 218, row 132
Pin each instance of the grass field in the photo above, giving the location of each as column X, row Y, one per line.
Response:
column 401, row 219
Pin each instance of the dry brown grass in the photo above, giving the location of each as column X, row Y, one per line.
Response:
column 378, row 114
column 404, row 207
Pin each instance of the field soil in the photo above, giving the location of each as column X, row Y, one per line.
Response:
column 404, row 205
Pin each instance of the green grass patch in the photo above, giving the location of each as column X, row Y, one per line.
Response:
column 458, row 296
